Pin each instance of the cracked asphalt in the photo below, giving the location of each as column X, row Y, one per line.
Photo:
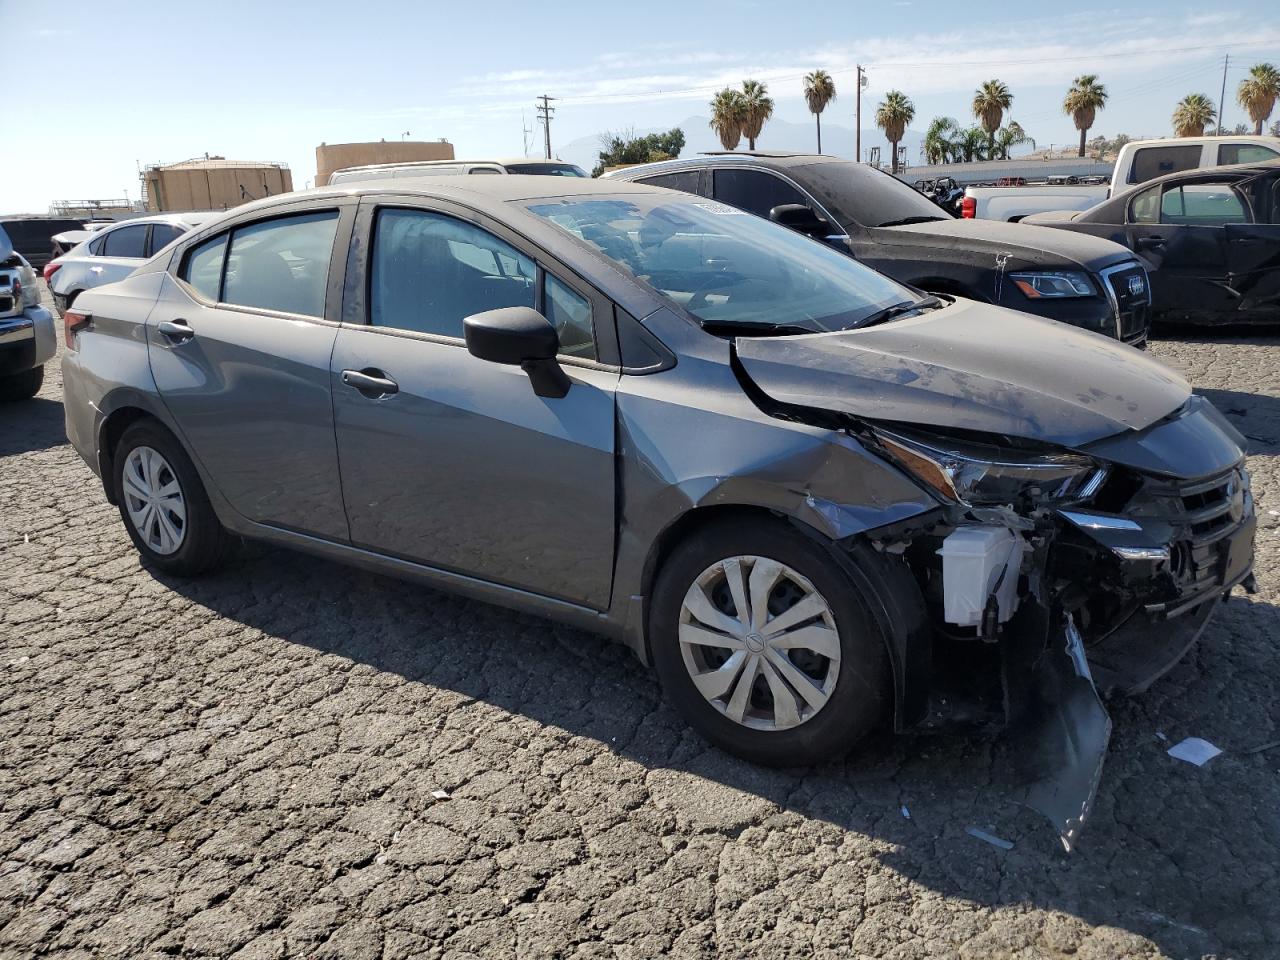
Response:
column 297, row 759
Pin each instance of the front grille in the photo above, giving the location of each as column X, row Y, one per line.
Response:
column 1213, row 509
column 6, row 304
column 1131, row 294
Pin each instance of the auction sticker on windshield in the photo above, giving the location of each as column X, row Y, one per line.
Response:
column 721, row 209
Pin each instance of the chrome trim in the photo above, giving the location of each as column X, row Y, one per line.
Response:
column 17, row 330
column 1110, row 293
column 1141, row 553
column 1099, row 521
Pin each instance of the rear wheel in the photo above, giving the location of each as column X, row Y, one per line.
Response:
column 163, row 503
column 764, row 645
column 22, row 386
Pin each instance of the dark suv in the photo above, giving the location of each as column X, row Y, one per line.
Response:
column 882, row 222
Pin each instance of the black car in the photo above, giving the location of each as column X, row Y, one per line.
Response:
column 33, row 236
column 882, row 222
column 1211, row 236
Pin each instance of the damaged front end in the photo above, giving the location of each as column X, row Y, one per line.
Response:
column 1068, row 575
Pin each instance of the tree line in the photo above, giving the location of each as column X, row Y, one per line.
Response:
column 738, row 114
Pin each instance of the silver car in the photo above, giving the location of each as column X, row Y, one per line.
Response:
column 114, row 252
column 812, row 498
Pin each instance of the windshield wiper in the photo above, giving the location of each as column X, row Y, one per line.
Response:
column 909, row 220
column 755, row 328
column 901, row 310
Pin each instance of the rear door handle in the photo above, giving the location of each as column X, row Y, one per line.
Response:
column 370, row 382
column 177, row 331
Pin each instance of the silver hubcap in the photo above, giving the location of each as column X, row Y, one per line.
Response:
column 760, row 642
column 153, row 499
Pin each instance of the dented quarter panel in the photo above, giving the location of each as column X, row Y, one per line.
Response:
column 690, row 438
column 972, row 368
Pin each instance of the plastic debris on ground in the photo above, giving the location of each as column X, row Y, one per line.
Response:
column 906, row 814
column 1160, row 736
column 440, row 794
column 1194, row 750
column 990, row 838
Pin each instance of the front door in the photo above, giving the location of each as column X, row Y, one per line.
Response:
column 455, row 462
column 240, row 347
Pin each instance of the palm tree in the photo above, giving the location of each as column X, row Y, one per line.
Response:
column 1011, row 135
column 819, row 90
column 990, row 101
column 1082, row 103
column 1194, row 112
column 1258, row 93
column 757, row 107
column 972, row 145
column 892, row 116
column 939, row 143
column 727, row 113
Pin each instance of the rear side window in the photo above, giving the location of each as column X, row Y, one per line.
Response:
column 686, row 180
column 1202, row 204
column 1146, row 206
column 203, row 267
column 429, row 271
column 754, row 191
column 483, row 170
column 1152, row 162
column 281, row 264
column 1229, row 153
column 126, row 242
column 163, row 234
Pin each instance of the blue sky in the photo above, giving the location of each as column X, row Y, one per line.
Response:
column 111, row 85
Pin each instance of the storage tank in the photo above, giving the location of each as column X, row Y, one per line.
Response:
column 336, row 156
column 211, row 183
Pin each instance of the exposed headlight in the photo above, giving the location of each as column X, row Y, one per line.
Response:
column 986, row 475
column 1053, row 284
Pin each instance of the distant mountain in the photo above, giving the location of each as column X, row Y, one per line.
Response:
column 777, row 135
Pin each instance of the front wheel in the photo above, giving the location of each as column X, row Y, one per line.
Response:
column 764, row 645
column 22, row 386
column 163, row 503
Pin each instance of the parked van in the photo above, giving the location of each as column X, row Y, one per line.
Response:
column 453, row 168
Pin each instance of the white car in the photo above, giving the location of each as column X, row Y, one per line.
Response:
column 454, row 168
column 115, row 252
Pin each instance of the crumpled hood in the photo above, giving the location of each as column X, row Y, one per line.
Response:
column 1039, row 245
column 971, row 366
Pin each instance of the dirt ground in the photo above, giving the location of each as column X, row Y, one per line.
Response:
column 248, row 766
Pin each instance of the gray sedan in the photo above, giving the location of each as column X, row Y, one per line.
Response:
column 810, row 497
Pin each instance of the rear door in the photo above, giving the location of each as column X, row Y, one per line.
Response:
column 117, row 253
column 1253, row 249
column 456, row 463
column 1180, row 229
column 240, row 341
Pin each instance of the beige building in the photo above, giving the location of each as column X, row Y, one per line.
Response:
column 211, row 183
column 336, row 156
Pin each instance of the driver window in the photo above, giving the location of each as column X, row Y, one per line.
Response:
column 430, row 271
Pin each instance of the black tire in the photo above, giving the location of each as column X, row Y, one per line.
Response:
column 204, row 543
column 22, row 386
column 862, row 694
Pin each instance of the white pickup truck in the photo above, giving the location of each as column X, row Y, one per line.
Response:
column 1138, row 162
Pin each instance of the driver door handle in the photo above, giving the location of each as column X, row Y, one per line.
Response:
column 177, row 331
column 372, row 383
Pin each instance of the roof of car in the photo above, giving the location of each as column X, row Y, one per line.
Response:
column 776, row 160
column 190, row 219
column 513, row 187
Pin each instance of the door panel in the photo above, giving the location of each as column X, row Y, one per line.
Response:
column 465, row 468
column 250, row 395
column 1190, row 264
column 1253, row 260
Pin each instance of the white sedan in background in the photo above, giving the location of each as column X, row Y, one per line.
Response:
column 114, row 253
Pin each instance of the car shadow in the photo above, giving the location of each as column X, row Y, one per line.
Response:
column 1256, row 415
column 30, row 425
column 1172, row 853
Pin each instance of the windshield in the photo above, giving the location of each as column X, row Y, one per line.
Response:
column 867, row 196
column 547, row 169
column 727, row 267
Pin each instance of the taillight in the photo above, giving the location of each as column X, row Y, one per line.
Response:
column 73, row 323
column 969, row 208
column 50, row 269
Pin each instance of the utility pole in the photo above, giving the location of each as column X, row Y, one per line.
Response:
column 525, row 130
column 857, row 133
column 1222, row 97
column 545, row 113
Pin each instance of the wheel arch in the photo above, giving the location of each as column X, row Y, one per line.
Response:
column 889, row 589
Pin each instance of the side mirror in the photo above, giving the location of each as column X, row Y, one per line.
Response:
column 799, row 218
column 519, row 336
